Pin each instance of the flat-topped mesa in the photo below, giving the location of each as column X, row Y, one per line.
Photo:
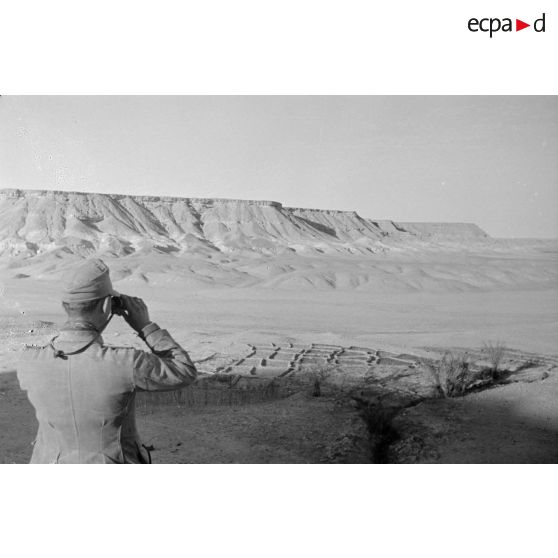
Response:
column 323, row 219
column 20, row 193
column 38, row 222
column 445, row 230
column 325, row 211
column 204, row 242
column 432, row 231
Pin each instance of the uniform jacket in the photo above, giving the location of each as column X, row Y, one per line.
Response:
column 85, row 403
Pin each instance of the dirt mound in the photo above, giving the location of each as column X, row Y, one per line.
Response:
column 515, row 423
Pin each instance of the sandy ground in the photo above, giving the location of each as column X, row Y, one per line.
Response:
column 515, row 423
column 200, row 318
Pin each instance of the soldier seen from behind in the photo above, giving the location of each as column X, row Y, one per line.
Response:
column 84, row 392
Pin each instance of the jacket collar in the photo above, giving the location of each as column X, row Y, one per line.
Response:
column 78, row 332
column 79, row 326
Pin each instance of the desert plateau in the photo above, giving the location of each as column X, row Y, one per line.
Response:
column 320, row 336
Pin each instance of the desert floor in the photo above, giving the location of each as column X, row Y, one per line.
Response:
column 516, row 422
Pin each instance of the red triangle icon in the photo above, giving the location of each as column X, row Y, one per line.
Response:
column 519, row 25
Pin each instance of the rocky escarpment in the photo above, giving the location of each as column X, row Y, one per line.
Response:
column 207, row 241
column 36, row 222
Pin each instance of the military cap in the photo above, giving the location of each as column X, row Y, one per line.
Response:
column 89, row 280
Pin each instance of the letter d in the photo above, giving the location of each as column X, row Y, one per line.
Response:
column 535, row 25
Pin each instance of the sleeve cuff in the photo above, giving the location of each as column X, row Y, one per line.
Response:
column 148, row 330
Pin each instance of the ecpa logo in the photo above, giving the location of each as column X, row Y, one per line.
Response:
column 492, row 25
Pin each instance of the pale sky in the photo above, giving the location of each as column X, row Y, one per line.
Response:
column 488, row 160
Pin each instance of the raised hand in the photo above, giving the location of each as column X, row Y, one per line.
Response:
column 135, row 312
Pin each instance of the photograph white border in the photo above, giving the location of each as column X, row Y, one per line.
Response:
column 287, row 47
column 323, row 47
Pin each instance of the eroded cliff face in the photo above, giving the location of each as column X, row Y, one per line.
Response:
column 36, row 222
column 244, row 243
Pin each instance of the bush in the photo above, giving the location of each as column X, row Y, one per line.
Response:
column 318, row 376
column 320, row 380
column 451, row 374
column 495, row 353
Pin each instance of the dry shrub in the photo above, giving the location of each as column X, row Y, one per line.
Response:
column 319, row 377
column 451, row 374
column 495, row 353
column 315, row 377
column 319, row 381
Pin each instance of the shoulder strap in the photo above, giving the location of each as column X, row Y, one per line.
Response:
column 58, row 353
